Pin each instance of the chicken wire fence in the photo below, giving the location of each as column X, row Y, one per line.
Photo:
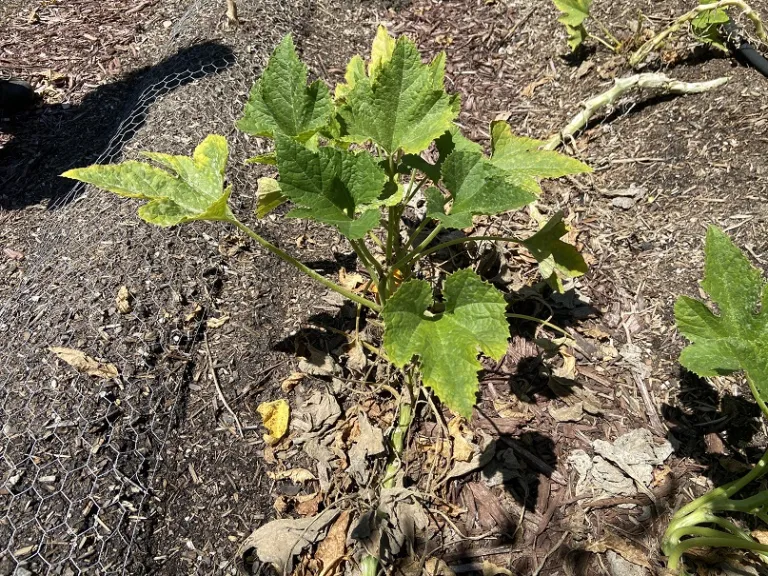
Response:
column 79, row 455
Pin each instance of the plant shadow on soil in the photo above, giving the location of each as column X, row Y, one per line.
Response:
column 53, row 138
column 707, row 425
column 521, row 373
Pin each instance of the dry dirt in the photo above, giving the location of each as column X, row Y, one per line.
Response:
column 149, row 474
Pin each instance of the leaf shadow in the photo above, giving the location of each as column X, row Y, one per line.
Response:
column 707, row 426
column 52, row 138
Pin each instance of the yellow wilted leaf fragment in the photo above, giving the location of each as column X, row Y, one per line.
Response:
column 81, row 362
column 276, row 416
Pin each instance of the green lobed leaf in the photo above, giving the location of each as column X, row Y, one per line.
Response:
column 524, row 162
column 552, row 254
column 574, row 12
column 445, row 144
column 404, row 106
column 192, row 190
column 706, row 26
column 447, row 344
column 737, row 338
column 331, row 186
column 476, row 187
column 281, row 102
column 268, row 196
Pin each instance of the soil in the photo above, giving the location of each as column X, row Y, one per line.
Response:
column 150, row 473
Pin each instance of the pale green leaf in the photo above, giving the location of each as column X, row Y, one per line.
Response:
column 524, row 162
column 268, row 196
column 737, row 337
column 476, row 187
column 574, row 12
column 404, row 107
column 447, row 343
column 281, row 102
column 552, row 254
column 355, row 72
column 331, row 186
column 451, row 140
column 193, row 190
column 381, row 51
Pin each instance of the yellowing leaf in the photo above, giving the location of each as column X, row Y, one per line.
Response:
column 275, row 416
column 191, row 189
column 381, row 51
column 403, row 106
column 81, row 362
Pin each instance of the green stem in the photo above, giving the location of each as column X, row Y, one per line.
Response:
column 756, row 395
column 540, row 321
column 399, row 434
column 712, row 542
column 607, row 32
column 304, row 268
column 603, row 42
column 376, row 240
column 418, row 253
column 642, row 53
column 413, row 191
column 415, row 233
column 375, row 270
column 724, row 492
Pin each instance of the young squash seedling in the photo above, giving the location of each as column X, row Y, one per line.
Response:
column 352, row 159
column 735, row 340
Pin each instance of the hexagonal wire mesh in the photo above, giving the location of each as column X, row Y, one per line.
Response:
column 78, row 455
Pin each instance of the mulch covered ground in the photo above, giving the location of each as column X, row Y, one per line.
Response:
column 153, row 474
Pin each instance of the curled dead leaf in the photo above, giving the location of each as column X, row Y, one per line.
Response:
column 216, row 322
column 350, row 280
column 292, row 381
column 83, row 363
column 277, row 542
column 298, row 475
column 123, row 300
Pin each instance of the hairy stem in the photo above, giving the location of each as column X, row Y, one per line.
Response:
column 622, row 86
column 397, row 439
column 304, row 268
column 604, row 42
column 642, row 53
column 724, row 541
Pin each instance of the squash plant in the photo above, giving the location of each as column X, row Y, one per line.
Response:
column 736, row 339
column 352, row 159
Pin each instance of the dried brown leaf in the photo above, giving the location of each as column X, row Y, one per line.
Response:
column 81, row 362
column 332, row 550
column 626, row 549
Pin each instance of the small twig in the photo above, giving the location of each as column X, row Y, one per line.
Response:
column 218, row 387
column 621, row 86
column 139, row 7
column 549, row 553
column 650, row 407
